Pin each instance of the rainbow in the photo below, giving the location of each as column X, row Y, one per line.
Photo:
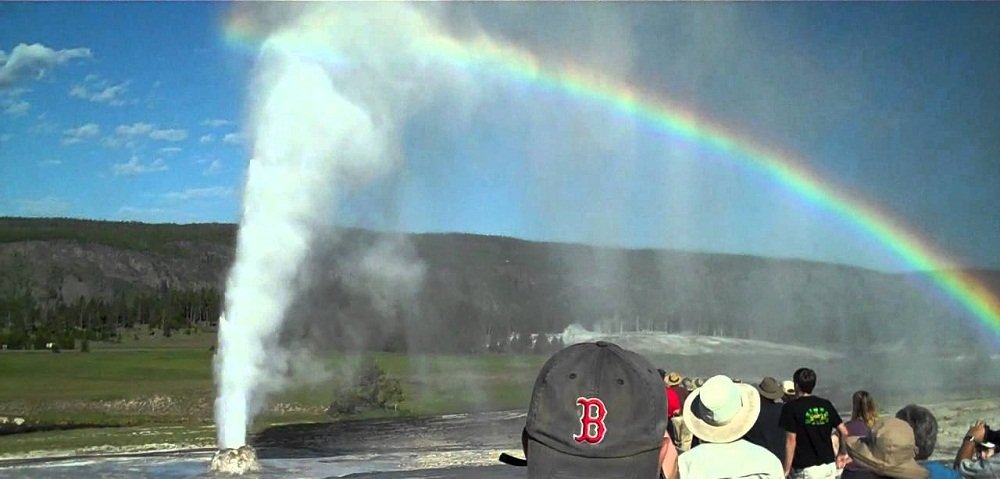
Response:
column 519, row 65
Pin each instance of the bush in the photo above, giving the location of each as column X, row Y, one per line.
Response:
column 373, row 390
column 85, row 346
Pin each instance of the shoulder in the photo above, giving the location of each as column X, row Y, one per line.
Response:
column 939, row 470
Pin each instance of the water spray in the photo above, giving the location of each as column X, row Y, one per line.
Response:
column 319, row 130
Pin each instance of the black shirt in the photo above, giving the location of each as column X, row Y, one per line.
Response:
column 766, row 432
column 812, row 419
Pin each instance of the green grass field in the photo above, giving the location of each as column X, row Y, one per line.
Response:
column 159, row 396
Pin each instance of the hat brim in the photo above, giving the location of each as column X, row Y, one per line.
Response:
column 861, row 452
column 545, row 463
column 673, row 383
column 736, row 428
column 773, row 395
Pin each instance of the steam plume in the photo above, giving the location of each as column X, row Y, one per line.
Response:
column 319, row 130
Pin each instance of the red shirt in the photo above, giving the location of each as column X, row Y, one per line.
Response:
column 673, row 402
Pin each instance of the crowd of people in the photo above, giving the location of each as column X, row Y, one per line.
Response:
column 598, row 410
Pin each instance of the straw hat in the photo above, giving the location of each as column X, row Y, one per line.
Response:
column 888, row 450
column 770, row 388
column 721, row 411
column 673, row 379
column 788, row 387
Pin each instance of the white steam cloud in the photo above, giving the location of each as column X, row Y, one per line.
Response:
column 319, row 130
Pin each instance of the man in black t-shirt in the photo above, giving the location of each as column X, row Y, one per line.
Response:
column 809, row 422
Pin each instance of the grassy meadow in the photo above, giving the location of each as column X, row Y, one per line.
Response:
column 156, row 393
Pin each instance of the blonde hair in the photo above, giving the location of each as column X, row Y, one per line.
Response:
column 863, row 408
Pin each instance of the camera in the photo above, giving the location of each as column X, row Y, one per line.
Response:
column 991, row 436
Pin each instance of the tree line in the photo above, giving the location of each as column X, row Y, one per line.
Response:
column 29, row 323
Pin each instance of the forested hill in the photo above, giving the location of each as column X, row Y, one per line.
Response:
column 62, row 277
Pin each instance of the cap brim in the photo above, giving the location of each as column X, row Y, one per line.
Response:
column 545, row 463
column 735, row 429
column 860, row 452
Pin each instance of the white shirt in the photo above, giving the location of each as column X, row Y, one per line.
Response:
column 739, row 459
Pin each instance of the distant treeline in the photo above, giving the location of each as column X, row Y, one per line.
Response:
column 157, row 238
column 26, row 323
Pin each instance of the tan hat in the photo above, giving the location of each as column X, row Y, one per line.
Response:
column 770, row 388
column 789, row 387
column 888, row 450
column 721, row 411
column 673, row 379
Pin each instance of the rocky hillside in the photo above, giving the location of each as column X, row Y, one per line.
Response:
column 489, row 291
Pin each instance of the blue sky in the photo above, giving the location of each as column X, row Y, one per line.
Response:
column 137, row 112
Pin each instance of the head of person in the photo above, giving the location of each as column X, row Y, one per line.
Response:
column 688, row 383
column 770, row 389
column 699, row 382
column 673, row 379
column 788, row 388
column 596, row 410
column 721, row 411
column 925, row 428
column 805, row 380
column 863, row 408
column 888, row 450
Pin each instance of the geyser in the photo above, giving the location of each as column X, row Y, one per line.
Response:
column 320, row 130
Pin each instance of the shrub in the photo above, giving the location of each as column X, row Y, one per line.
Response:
column 85, row 346
column 373, row 390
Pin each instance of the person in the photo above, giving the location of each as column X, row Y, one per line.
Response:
column 808, row 421
column 720, row 413
column 674, row 380
column 888, row 451
column 971, row 467
column 678, row 431
column 925, row 429
column 864, row 414
column 598, row 411
column 789, row 387
column 673, row 400
column 766, row 432
column 688, row 385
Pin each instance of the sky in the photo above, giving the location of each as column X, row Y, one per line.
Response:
column 139, row 111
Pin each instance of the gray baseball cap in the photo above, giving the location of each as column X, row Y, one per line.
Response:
column 596, row 411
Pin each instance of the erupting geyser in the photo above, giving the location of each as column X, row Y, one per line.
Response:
column 319, row 130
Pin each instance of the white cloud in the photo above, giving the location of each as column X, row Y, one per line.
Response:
column 100, row 92
column 135, row 129
column 168, row 134
column 214, row 168
column 206, row 139
column 35, row 60
column 216, row 123
column 50, row 162
column 233, row 138
column 81, row 133
column 170, row 150
column 128, row 135
column 47, row 206
column 17, row 108
column 135, row 166
column 195, row 193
